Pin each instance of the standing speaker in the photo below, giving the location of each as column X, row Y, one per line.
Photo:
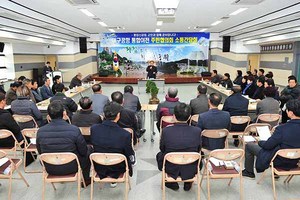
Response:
column 226, row 43
column 82, row 45
column 2, row 46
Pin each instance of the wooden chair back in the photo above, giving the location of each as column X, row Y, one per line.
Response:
column 58, row 158
column 165, row 121
column 24, row 119
column 252, row 128
column 6, row 134
column 288, row 154
column 194, row 119
column 86, row 131
column 227, row 154
column 29, row 132
column 240, row 120
column 131, row 134
column 108, row 159
column 272, row 119
column 65, row 117
column 182, row 158
column 215, row 133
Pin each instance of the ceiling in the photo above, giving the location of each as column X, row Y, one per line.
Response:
column 58, row 21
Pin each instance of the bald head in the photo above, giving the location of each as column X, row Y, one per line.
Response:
column 172, row 92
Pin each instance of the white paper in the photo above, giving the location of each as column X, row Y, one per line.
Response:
column 263, row 132
column 249, row 138
column 33, row 140
column 216, row 162
column 3, row 161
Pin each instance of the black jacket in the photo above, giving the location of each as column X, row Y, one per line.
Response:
column 250, row 90
column 68, row 103
column 151, row 71
column 236, row 105
column 227, row 83
column 259, row 93
column 85, row 118
column 179, row 137
column 238, row 80
column 75, row 82
column 108, row 137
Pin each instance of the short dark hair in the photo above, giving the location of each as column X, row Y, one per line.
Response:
column 270, row 91
column 85, row 102
column 33, row 81
column 261, row 80
column 128, row 88
column 202, row 89
column 215, row 99
column 111, row 110
column 21, row 78
column 59, row 87
column 269, row 74
column 47, row 62
column 55, row 78
column 117, row 97
column 239, row 72
column 182, row 112
column 251, row 78
column 96, row 88
column 56, row 109
column 292, row 78
column 270, row 82
column 172, row 92
column 262, row 71
column 45, row 79
column 15, row 84
column 294, row 106
column 249, row 73
column 26, row 80
column 236, row 89
column 255, row 70
column 215, row 71
column 2, row 96
column 227, row 75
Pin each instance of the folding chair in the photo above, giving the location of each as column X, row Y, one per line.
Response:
column 272, row 119
column 6, row 134
column 288, row 154
column 181, row 158
column 29, row 135
column 65, row 117
column 220, row 172
column 166, row 121
column 131, row 133
column 194, row 120
column 8, row 168
column 108, row 159
column 85, row 131
column 25, row 118
column 251, row 130
column 242, row 122
column 60, row 159
column 214, row 134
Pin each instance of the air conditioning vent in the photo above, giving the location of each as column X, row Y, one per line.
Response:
column 247, row 2
column 83, row 2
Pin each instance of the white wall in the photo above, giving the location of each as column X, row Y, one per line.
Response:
column 9, row 61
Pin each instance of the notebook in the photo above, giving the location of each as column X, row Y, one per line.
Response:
column 263, row 132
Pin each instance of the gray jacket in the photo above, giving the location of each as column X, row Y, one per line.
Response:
column 10, row 96
column 267, row 105
column 199, row 105
column 131, row 102
column 99, row 100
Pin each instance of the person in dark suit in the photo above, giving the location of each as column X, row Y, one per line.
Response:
column 236, row 105
column 286, row 136
column 37, row 96
column 151, row 70
column 226, row 81
column 261, row 74
column 45, row 90
column 11, row 94
column 76, row 81
column 238, row 78
column 179, row 137
column 214, row 119
column 60, row 136
column 200, row 104
column 259, row 92
column 215, row 78
column 47, row 69
column 69, row 104
column 108, row 137
column 250, row 87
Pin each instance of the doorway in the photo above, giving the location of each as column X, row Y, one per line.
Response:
column 253, row 62
column 53, row 61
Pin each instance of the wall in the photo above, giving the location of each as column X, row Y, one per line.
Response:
column 9, row 61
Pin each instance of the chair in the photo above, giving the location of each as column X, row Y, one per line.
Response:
column 65, row 117
column 85, row 131
column 12, row 165
column 60, row 159
column 251, row 129
column 25, row 118
column 181, row 158
column 29, row 135
column 6, row 134
column 272, row 119
column 194, row 120
column 132, row 135
column 288, row 154
column 109, row 159
column 166, row 121
column 220, row 172
column 214, row 134
column 242, row 122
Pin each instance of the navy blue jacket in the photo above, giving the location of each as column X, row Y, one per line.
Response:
column 179, row 137
column 286, row 136
column 236, row 105
column 214, row 119
column 46, row 92
column 108, row 137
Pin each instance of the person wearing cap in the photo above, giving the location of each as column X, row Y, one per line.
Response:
column 76, row 81
column 11, row 94
column 151, row 70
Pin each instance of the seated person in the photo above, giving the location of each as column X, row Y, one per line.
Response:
column 23, row 105
column 226, row 81
column 45, row 90
column 11, row 94
column 268, row 105
column 57, row 83
column 166, row 108
column 28, row 83
column 108, row 137
column 238, row 78
column 99, row 99
column 214, row 119
column 60, row 136
column 69, row 104
column 76, row 81
column 285, row 137
column 250, row 87
column 200, row 104
column 270, row 83
column 215, row 78
column 190, row 142
column 34, row 87
column 259, row 92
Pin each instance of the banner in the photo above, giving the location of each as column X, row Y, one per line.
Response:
column 154, row 39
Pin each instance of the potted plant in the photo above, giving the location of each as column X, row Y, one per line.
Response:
column 153, row 90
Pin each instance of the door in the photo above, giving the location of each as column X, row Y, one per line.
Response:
column 253, row 62
column 53, row 61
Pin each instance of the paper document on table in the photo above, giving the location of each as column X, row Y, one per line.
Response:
column 33, row 140
column 263, row 132
column 3, row 161
column 249, row 138
column 216, row 162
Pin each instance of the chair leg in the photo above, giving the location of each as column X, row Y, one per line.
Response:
column 92, row 186
column 163, row 188
column 78, row 185
column 54, row 188
column 261, row 177
column 290, row 178
column 129, row 183
column 44, row 185
column 203, row 174
column 198, row 186
column 126, row 187
column 273, row 182
column 22, row 178
column 82, row 179
column 208, row 186
column 230, row 180
column 10, row 185
column 241, row 187
column 24, row 162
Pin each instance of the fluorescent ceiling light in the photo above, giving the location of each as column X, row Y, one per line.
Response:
column 6, row 34
column 202, row 30
column 216, row 23
column 166, row 11
column 166, row 3
column 35, row 39
column 11, row 29
column 278, row 37
column 246, row 39
column 238, row 11
column 159, row 23
column 111, row 30
column 157, row 30
column 43, row 36
column 267, row 35
column 102, row 24
column 57, row 43
column 252, row 42
column 88, row 13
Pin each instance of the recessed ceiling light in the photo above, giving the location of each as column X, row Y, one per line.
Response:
column 157, row 30
column 267, row 35
column 102, row 24
column 159, row 23
column 57, row 43
column 88, row 13
column 111, row 30
column 123, row 28
column 189, row 27
column 238, row 11
column 43, row 36
column 202, row 30
column 216, row 23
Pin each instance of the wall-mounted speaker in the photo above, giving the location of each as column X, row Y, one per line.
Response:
column 82, row 45
column 226, row 43
column 2, row 47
